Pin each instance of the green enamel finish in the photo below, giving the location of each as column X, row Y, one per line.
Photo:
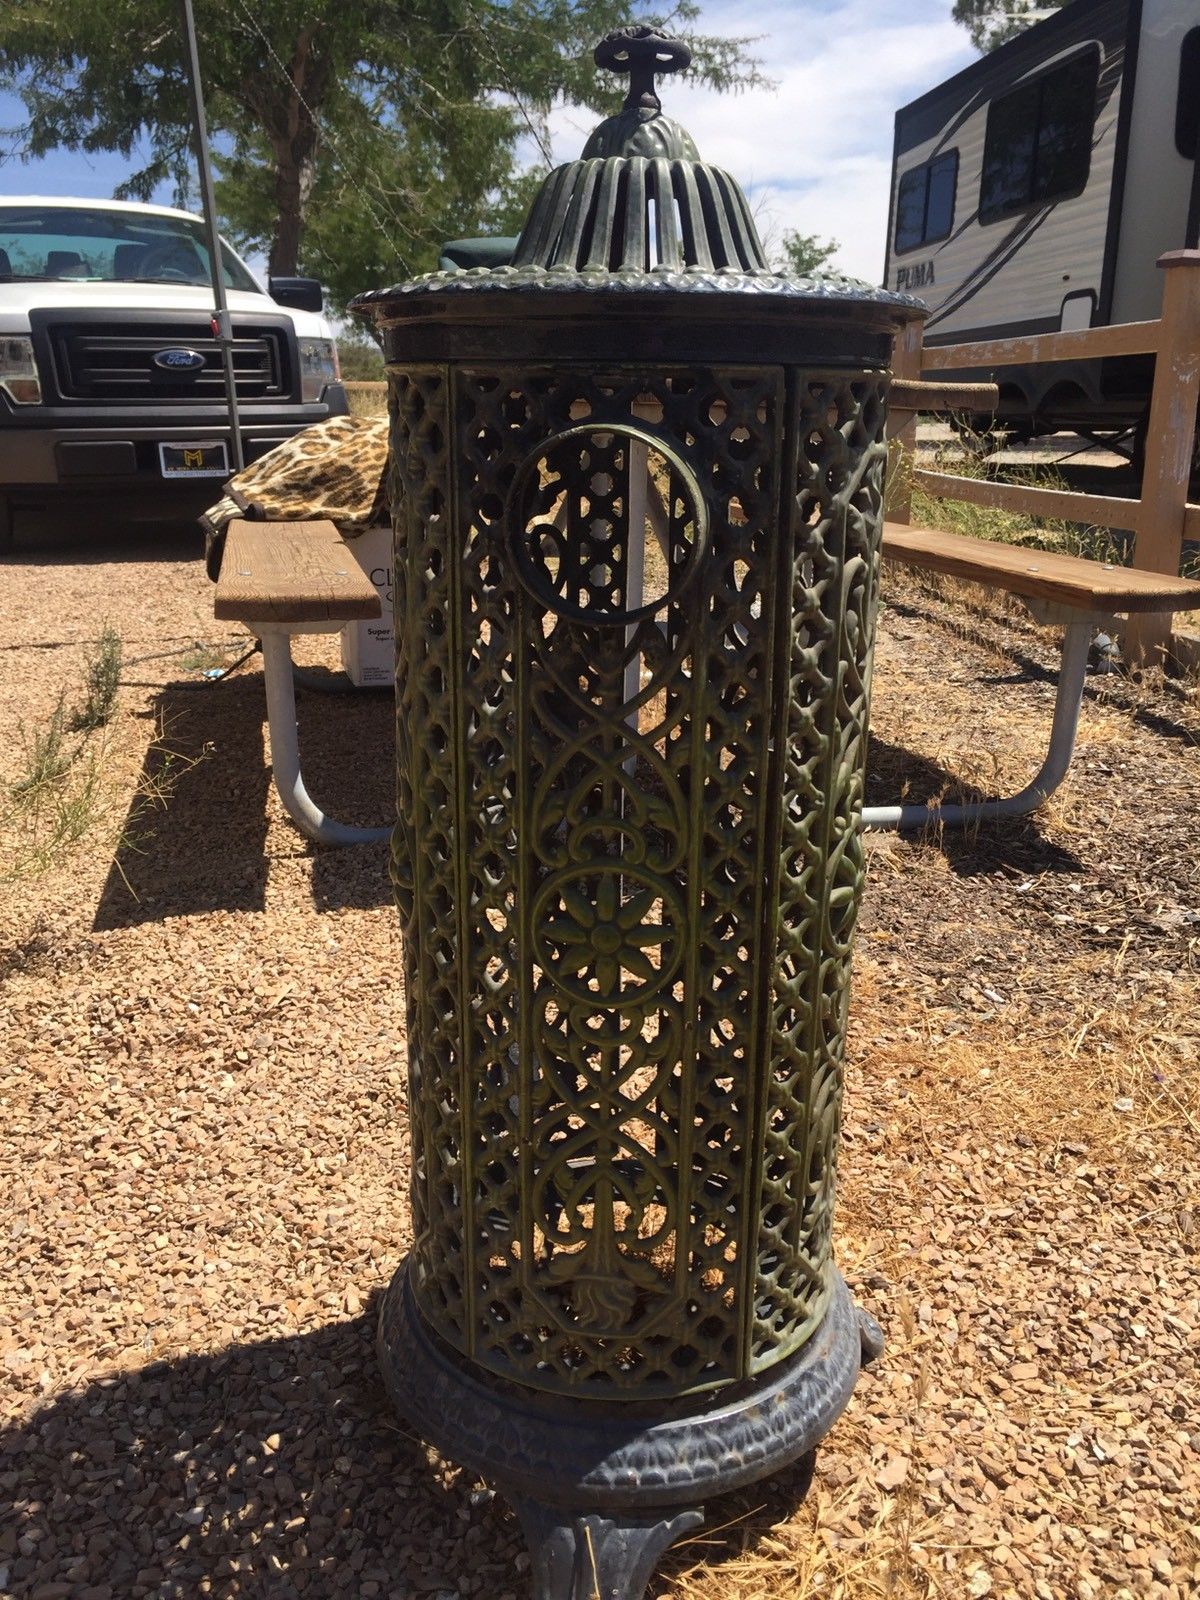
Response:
column 627, row 859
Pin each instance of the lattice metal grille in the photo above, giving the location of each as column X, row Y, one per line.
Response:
column 634, row 609
column 835, row 575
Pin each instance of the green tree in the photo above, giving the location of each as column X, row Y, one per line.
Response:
column 361, row 358
column 352, row 136
column 992, row 22
column 802, row 253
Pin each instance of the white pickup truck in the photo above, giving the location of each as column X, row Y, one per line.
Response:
column 111, row 378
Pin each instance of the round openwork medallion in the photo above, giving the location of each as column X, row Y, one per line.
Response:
column 608, row 935
column 606, row 524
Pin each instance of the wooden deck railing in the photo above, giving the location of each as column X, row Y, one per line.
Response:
column 1160, row 518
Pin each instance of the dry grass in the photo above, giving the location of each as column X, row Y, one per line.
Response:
column 367, row 399
column 1005, row 526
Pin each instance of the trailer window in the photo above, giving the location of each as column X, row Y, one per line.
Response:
column 925, row 202
column 1187, row 102
column 1038, row 145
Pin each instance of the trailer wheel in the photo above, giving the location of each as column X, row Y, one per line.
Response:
column 6, row 523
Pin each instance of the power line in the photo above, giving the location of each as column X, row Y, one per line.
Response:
column 547, row 157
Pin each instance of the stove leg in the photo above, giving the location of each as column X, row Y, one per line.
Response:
column 585, row 1555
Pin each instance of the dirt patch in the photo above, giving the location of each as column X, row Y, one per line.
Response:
column 206, row 1161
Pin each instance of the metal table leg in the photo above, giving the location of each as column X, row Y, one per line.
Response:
column 285, row 751
column 1071, row 678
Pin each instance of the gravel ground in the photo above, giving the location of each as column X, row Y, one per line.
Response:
column 205, row 1161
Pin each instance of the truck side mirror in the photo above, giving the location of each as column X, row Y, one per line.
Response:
column 298, row 294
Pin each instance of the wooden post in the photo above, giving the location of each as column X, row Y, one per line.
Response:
column 902, row 432
column 1169, row 444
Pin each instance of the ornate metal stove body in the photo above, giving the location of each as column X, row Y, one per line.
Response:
column 638, row 484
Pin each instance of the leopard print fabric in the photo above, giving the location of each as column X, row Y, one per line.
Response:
column 335, row 469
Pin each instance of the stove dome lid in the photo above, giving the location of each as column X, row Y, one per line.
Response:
column 641, row 213
column 640, row 199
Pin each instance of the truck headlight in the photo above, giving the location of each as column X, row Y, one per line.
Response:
column 318, row 366
column 18, row 370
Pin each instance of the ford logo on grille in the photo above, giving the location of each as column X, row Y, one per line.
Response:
column 178, row 360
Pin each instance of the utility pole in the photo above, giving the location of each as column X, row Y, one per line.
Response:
column 222, row 323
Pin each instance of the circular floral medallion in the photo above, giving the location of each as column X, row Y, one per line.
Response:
column 607, row 935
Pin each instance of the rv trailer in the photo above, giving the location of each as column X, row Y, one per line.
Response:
column 1034, row 191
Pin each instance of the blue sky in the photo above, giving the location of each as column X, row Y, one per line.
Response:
column 92, row 176
column 814, row 153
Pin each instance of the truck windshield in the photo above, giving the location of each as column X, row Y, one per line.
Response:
column 82, row 244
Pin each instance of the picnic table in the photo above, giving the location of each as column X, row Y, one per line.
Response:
column 1083, row 596
column 279, row 579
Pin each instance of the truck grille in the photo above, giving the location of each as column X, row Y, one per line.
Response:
column 111, row 363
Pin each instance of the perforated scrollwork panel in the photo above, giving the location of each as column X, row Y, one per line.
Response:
column 837, row 515
column 425, row 871
column 632, row 664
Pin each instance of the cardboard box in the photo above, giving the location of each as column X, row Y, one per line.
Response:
column 369, row 648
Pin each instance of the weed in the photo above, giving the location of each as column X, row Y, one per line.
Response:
column 62, row 793
column 204, row 657
column 967, row 457
column 78, row 808
column 47, row 760
column 68, row 796
column 59, row 801
column 101, row 680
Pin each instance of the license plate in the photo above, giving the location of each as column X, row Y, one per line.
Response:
column 209, row 460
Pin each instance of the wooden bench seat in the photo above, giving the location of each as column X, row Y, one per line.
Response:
column 280, row 579
column 292, row 572
column 1081, row 595
column 1098, row 587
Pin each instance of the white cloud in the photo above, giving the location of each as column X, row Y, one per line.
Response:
column 815, row 152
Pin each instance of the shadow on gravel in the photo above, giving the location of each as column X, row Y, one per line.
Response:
column 195, row 833
column 195, row 836
column 895, row 775
column 270, row 1469
column 80, row 530
column 276, row 1469
column 356, row 878
column 348, row 758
